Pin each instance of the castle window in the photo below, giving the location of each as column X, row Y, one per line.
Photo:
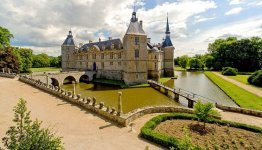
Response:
column 112, row 46
column 80, row 62
column 111, row 63
column 155, row 66
column 136, row 76
column 136, row 53
column 102, row 65
column 119, row 63
column 111, row 55
column 67, row 57
column 119, row 55
column 80, row 57
column 102, row 56
column 136, row 40
column 87, row 64
column 94, row 56
column 103, row 47
column 155, row 56
column 87, row 56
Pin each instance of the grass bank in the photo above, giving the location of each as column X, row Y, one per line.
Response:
column 242, row 97
column 45, row 69
column 240, row 78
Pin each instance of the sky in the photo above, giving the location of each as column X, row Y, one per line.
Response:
column 43, row 25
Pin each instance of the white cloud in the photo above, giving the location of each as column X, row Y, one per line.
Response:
column 44, row 27
column 242, row 29
column 202, row 19
column 234, row 11
column 235, row 2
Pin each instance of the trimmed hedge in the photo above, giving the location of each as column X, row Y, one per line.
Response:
column 229, row 71
column 147, row 131
column 256, row 78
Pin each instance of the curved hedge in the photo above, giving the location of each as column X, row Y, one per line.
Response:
column 147, row 131
column 229, row 71
column 256, row 78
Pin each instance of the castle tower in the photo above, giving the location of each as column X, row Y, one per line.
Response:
column 67, row 50
column 168, row 49
column 135, row 53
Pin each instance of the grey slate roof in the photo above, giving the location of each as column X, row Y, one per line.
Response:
column 135, row 28
column 69, row 41
column 107, row 45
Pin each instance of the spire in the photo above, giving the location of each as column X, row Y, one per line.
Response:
column 167, row 26
column 134, row 19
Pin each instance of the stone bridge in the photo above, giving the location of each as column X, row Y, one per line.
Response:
column 60, row 78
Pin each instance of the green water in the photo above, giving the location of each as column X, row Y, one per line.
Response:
column 132, row 98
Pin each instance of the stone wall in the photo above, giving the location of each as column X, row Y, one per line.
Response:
column 8, row 75
column 256, row 113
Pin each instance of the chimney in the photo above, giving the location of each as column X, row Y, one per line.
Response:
column 148, row 40
column 141, row 23
column 99, row 39
column 109, row 38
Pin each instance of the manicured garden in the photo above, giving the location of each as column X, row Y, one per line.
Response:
column 240, row 78
column 242, row 97
column 182, row 131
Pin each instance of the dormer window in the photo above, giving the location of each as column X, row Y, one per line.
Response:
column 103, row 47
column 112, row 46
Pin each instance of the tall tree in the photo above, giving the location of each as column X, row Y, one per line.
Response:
column 183, row 61
column 25, row 56
column 8, row 59
column 41, row 60
column 5, row 37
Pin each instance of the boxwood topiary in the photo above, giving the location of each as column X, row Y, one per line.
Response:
column 229, row 71
column 256, row 78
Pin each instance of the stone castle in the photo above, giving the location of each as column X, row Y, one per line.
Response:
column 133, row 61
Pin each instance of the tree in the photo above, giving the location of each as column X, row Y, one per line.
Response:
column 203, row 111
column 196, row 63
column 5, row 37
column 243, row 54
column 25, row 57
column 209, row 61
column 28, row 134
column 41, row 60
column 8, row 59
column 55, row 61
column 183, row 61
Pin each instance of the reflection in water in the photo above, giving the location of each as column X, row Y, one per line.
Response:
column 198, row 83
column 134, row 98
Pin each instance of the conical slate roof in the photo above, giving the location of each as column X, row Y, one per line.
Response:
column 134, row 26
column 69, row 41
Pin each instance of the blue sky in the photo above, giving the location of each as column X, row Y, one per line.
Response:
column 43, row 25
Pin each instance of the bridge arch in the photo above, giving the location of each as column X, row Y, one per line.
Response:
column 54, row 82
column 69, row 80
column 84, row 78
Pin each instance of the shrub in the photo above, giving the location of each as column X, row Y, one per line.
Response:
column 229, row 71
column 28, row 134
column 256, row 78
column 204, row 111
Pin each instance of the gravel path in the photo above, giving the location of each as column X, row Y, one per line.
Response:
column 80, row 129
column 249, row 88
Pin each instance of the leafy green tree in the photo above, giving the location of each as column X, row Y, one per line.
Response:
column 28, row 134
column 196, row 63
column 25, row 57
column 55, row 61
column 8, row 59
column 5, row 37
column 209, row 61
column 41, row 60
column 204, row 111
column 183, row 61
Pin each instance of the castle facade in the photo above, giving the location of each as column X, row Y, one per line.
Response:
column 133, row 60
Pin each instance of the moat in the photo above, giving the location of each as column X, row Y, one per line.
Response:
column 134, row 98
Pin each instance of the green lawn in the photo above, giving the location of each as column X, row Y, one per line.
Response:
column 242, row 97
column 240, row 78
column 45, row 69
column 178, row 68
